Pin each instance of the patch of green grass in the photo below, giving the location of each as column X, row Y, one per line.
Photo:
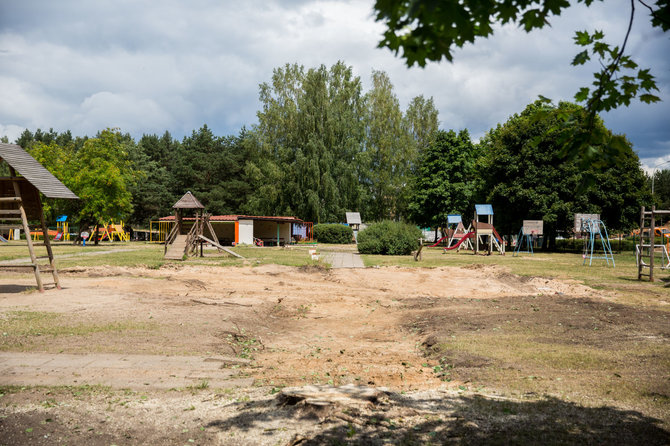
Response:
column 19, row 249
column 33, row 323
column 523, row 349
column 196, row 388
column 8, row 390
column 128, row 254
column 291, row 256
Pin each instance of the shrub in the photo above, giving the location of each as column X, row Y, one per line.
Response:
column 572, row 245
column 333, row 233
column 389, row 238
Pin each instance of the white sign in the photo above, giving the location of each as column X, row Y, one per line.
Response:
column 579, row 218
column 533, row 227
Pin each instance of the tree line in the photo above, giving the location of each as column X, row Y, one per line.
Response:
column 322, row 146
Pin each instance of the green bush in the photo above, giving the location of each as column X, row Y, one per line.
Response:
column 577, row 245
column 333, row 233
column 389, row 238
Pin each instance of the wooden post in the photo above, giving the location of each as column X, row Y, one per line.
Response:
column 26, row 229
column 418, row 255
column 652, row 241
column 476, row 232
column 640, row 246
column 47, row 244
column 177, row 219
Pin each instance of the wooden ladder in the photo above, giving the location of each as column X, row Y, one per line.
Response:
column 17, row 219
column 646, row 246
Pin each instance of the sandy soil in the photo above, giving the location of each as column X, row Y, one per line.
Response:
column 300, row 325
column 374, row 327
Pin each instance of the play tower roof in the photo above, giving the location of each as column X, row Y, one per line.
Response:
column 34, row 172
column 188, row 201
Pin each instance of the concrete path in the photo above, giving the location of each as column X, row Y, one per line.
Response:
column 341, row 259
column 121, row 371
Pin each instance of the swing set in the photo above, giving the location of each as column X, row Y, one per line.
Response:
column 594, row 231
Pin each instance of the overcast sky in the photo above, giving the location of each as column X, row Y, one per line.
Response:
column 151, row 66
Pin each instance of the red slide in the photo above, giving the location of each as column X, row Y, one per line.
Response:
column 470, row 234
column 438, row 242
column 500, row 239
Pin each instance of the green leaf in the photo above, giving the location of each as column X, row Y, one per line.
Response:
column 582, row 38
column 582, row 95
column 581, row 58
column 649, row 98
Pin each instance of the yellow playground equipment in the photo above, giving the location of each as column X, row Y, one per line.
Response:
column 159, row 232
column 111, row 230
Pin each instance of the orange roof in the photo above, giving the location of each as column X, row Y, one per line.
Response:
column 241, row 217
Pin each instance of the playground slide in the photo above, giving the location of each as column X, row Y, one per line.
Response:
column 217, row 246
column 438, row 242
column 500, row 239
column 470, row 234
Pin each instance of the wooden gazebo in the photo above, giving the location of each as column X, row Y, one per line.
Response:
column 20, row 202
column 179, row 243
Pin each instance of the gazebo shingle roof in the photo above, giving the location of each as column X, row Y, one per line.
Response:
column 188, row 201
column 34, row 172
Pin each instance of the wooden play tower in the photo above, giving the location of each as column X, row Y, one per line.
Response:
column 179, row 243
column 486, row 229
column 20, row 203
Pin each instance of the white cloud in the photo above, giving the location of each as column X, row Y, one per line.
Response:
column 150, row 67
column 12, row 132
column 650, row 165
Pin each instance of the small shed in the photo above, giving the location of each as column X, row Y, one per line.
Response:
column 20, row 202
column 354, row 220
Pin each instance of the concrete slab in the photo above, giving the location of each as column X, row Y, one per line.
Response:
column 341, row 259
column 121, row 371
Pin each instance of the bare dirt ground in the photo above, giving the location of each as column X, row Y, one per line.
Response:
column 453, row 355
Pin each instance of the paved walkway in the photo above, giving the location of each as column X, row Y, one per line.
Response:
column 340, row 259
column 121, row 371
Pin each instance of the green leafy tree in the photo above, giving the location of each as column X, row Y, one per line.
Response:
column 101, row 174
column 661, row 188
column 304, row 150
column 445, row 181
column 212, row 168
column 420, row 122
column 59, row 160
column 153, row 195
column 387, row 155
column 27, row 138
column 527, row 176
column 429, row 30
